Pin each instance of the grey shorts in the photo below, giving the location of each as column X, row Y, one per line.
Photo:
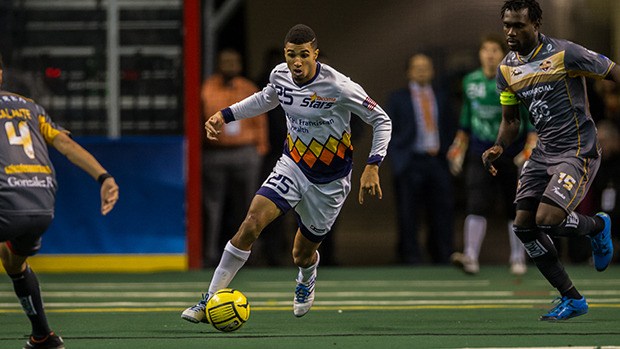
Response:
column 564, row 179
column 23, row 232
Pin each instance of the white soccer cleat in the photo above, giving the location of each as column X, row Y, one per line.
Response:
column 467, row 264
column 304, row 297
column 518, row 268
column 197, row 313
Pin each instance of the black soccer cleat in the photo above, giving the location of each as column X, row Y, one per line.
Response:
column 51, row 341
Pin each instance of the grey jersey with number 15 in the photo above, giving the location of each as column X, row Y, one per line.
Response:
column 552, row 86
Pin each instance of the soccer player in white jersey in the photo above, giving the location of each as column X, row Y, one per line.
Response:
column 313, row 176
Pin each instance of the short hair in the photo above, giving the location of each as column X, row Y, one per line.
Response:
column 533, row 9
column 497, row 39
column 300, row 34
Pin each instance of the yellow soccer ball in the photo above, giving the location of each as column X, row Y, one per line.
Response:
column 228, row 310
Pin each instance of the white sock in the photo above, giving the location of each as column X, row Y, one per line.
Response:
column 517, row 251
column 232, row 260
column 474, row 231
column 305, row 274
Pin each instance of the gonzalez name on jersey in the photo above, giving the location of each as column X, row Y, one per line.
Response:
column 27, row 179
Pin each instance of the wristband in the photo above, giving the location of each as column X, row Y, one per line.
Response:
column 102, row 177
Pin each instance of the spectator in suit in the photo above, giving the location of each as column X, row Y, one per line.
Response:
column 422, row 133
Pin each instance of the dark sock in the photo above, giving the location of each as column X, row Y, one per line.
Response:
column 27, row 289
column 551, row 268
column 572, row 293
column 577, row 224
column 599, row 225
column 542, row 251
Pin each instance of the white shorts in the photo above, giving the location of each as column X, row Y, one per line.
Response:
column 316, row 205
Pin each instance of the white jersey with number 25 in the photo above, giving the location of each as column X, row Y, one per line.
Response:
column 318, row 115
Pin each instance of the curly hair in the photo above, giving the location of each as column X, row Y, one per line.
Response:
column 533, row 9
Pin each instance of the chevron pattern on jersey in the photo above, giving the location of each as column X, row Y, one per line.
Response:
column 316, row 151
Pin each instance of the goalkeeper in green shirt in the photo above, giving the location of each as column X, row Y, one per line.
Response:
column 481, row 115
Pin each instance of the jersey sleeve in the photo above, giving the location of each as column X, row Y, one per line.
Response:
column 47, row 127
column 506, row 95
column 500, row 79
column 357, row 101
column 580, row 61
column 256, row 104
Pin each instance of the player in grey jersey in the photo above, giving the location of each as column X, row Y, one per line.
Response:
column 313, row 174
column 548, row 76
column 28, row 188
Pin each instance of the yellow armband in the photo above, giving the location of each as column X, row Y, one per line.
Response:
column 508, row 98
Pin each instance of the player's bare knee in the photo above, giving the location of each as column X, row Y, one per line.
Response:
column 549, row 213
column 303, row 259
column 251, row 227
column 5, row 257
column 547, row 219
column 14, row 268
column 302, row 262
column 12, row 264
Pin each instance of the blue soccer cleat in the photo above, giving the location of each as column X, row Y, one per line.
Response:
column 602, row 247
column 567, row 308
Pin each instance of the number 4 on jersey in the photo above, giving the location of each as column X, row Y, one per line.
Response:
column 24, row 139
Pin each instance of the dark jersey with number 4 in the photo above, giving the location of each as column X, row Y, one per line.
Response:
column 27, row 177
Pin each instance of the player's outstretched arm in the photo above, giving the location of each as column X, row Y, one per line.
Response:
column 87, row 162
column 213, row 126
column 369, row 182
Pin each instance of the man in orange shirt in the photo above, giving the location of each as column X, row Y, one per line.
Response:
column 232, row 165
